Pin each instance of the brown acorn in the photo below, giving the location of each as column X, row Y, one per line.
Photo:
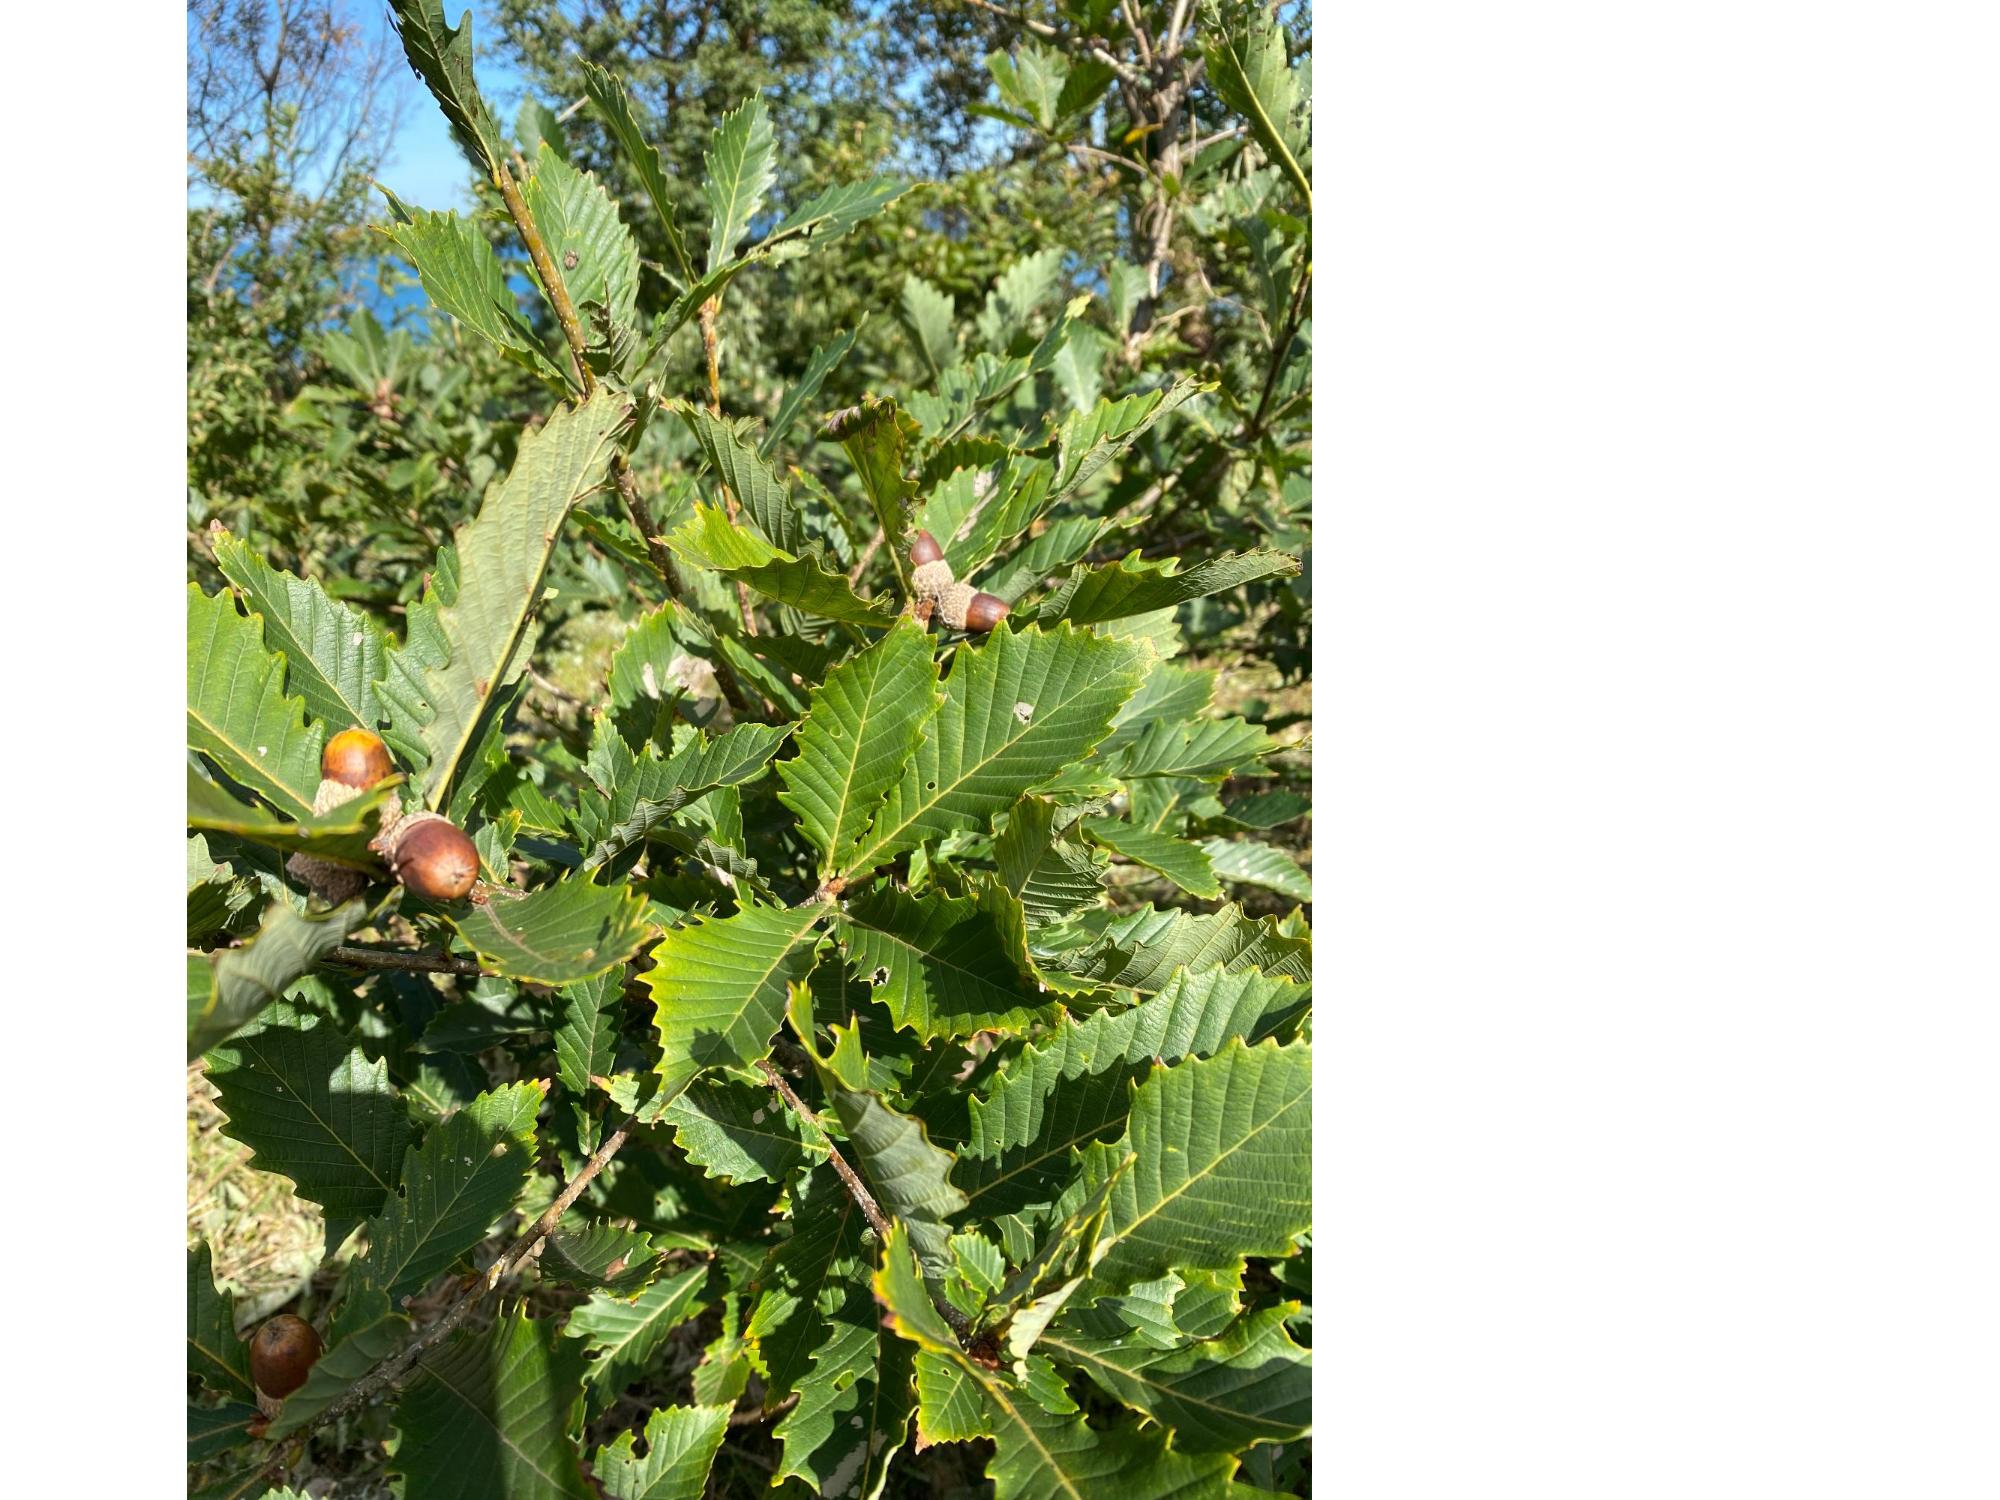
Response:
column 283, row 1351
column 432, row 857
column 925, row 549
column 984, row 612
column 356, row 758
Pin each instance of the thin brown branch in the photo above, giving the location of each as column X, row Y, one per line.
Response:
column 545, row 268
column 642, row 517
column 402, row 959
column 396, row 1366
column 1117, row 161
column 1123, row 69
column 855, row 1186
column 867, row 556
column 711, row 347
column 750, row 1416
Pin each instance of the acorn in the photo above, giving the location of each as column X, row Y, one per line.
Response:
column 283, row 1351
column 984, row 612
column 925, row 549
column 963, row 607
column 431, row 856
column 353, row 761
column 356, row 758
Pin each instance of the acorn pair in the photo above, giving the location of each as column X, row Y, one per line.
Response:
column 959, row 605
column 428, row 853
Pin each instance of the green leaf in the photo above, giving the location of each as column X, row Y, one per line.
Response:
column 1017, row 710
column 312, row 1107
column 739, row 1133
column 615, row 108
column 1031, row 80
column 1037, row 1455
column 1087, row 441
column 1202, row 748
column 741, row 164
column 560, row 934
column 1075, row 1087
column 1251, row 1385
column 217, row 1429
column 600, row 1257
column 238, row 714
column 503, row 560
column 490, row 1417
column 707, row 540
column 910, row 1177
column 854, row 1410
column 216, row 1356
column 1185, row 864
column 833, row 211
column 586, row 1040
column 822, row 363
column 1142, row 950
column 719, row 988
column 626, row 1333
column 746, row 475
column 1135, row 587
column 1224, row 1170
column 441, row 55
column 1052, row 877
column 1266, row 809
column 680, row 1446
column 1248, row 70
column 228, row 987
column 594, row 253
column 642, row 791
column 1022, row 287
column 341, row 835
column 468, row 1172
column 333, row 654
column 939, row 965
column 807, row 1280
column 878, row 438
column 865, row 723
column 929, row 313
column 462, row 275
column 1247, row 862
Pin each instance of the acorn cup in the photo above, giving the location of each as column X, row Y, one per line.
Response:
column 959, row 605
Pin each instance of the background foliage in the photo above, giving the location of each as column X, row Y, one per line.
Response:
column 596, row 502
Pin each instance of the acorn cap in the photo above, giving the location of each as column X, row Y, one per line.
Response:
column 432, row 856
column 931, row 579
column 283, row 1351
column 356, row 758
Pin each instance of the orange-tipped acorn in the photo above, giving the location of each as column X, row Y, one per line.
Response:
column 355, row 758
column 283, row 1351
column 925, row 549
column 432, row 857
column 984, row 612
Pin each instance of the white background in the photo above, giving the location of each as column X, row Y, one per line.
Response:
column 1659, row 368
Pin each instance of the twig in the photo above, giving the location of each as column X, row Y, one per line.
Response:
column 750, row 1416
column 867, row 556
column 1117, row 161
column 545, row 267
column 642, row 517
column 402, row 959
column 399, row 1364
column 1123, row 69
column 869, row 1209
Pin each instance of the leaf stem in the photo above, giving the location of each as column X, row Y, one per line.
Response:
column 355, row 957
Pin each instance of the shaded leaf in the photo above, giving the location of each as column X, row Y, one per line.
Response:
column 560, row 934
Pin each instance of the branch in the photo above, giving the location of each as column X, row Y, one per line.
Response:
column 399, row 1364
column 545, row 268
column 642, row 517
column 869, row 1208
column 1123, row 69
column 402, row 959
column 1117, row 161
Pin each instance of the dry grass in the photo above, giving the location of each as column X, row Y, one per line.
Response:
column 266, row 1242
